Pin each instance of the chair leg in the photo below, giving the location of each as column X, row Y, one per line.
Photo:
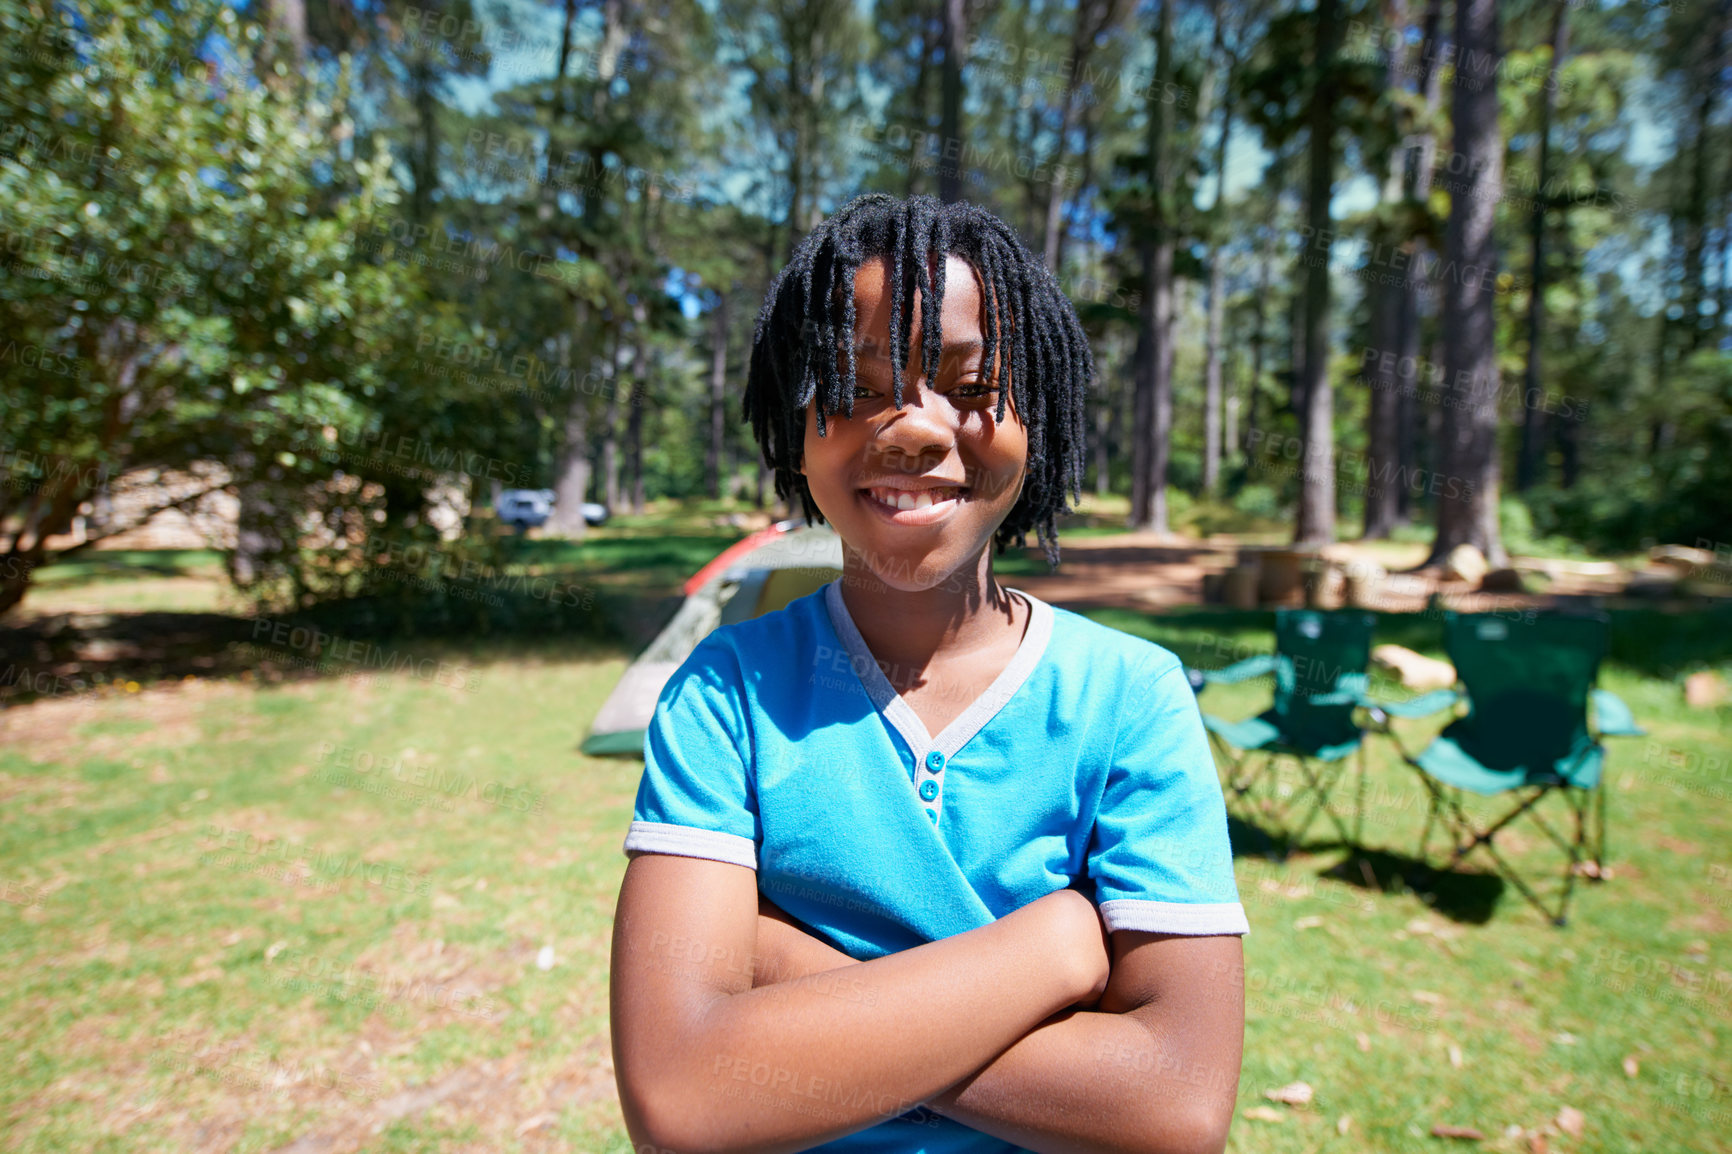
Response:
column 1359, row 801
column 1573, row 850
column 1236, row 783
column 1433, row 816
column 1504, row 868
column 1600, row 842
column 1320, row 786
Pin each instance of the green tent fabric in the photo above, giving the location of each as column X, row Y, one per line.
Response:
column 788, row 561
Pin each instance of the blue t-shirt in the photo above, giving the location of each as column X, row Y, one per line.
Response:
column 780, row 745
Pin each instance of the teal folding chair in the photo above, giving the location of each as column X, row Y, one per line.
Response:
column 1319, row 666
column 1528, row 685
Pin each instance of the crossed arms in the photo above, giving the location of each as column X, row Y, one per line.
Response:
column 734, row 1030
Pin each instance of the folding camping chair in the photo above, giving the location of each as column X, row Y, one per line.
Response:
column 1319, row 666
column 1528, row 685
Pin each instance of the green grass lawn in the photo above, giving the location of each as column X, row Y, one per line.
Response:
column 238, row 914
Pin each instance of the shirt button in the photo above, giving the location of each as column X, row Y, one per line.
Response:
column 933, row 814
column 928, row 789
column 935, row 761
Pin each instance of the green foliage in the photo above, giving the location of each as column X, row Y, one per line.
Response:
column 1257, row 501
column 1678, row 494
column 186, row 254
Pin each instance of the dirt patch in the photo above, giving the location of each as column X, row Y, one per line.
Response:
column 53, row 729
column 1136, row 571
column 1144, row 571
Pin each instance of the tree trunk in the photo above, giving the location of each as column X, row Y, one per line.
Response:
column 1090, row 127
column 610, row 432
column 1092, row 18
column 1259, row 335
column 640, row 393
column 424, row 157
column 1532, row 460
column 1053, row 222
column 1212, row 376
column 287, row 40
column 796, row 189
column 1154, row 360
column 1420, row 158
column 913, row 185
column 955, row 53
column 1467, row 509
column 1316, row 522
column 1683, row 336
column 1217, row 288
column 1104, row 422
column 718, row 398
column 1379, row 368
column 571, row 473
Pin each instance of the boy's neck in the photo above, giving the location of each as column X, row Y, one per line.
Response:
column 963, row 614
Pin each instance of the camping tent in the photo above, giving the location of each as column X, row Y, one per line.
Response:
column 753, row 576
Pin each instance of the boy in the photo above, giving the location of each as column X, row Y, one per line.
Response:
column 840, row 931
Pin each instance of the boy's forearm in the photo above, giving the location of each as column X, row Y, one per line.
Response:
column 788, row 1065
column 1078, row 1082
column 1086, row 1082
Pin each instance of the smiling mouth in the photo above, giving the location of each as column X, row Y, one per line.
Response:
column 903, row 499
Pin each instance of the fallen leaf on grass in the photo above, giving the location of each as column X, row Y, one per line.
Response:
column 1343, row 1124
column 1309, row 923
column 1631, row 1067
column 1468, row 1132
column 1265, row 1114
column 1428, row 997
column 1455, row 1056
column 1571, row 1120
column 1292, row 1094
column 1538, row 1143
column 199, row 977
column 1364, row 1041
column 535, row 1123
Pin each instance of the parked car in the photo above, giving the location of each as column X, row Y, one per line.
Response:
column 524, row 508
column 530, row 508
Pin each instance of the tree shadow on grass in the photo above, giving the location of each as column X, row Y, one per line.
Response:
column 71, row 654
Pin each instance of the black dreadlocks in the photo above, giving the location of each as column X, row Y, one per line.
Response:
column 809, row 312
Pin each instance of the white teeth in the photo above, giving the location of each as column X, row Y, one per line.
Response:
column 902, row 499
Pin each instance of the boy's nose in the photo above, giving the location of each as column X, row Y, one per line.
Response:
column 926, row 423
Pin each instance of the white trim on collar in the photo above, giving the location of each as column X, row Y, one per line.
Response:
column 979, row 712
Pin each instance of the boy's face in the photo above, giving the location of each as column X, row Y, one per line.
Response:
column 942, row 446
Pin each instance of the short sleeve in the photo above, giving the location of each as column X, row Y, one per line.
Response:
column 696, row 797
column 1159, row 855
